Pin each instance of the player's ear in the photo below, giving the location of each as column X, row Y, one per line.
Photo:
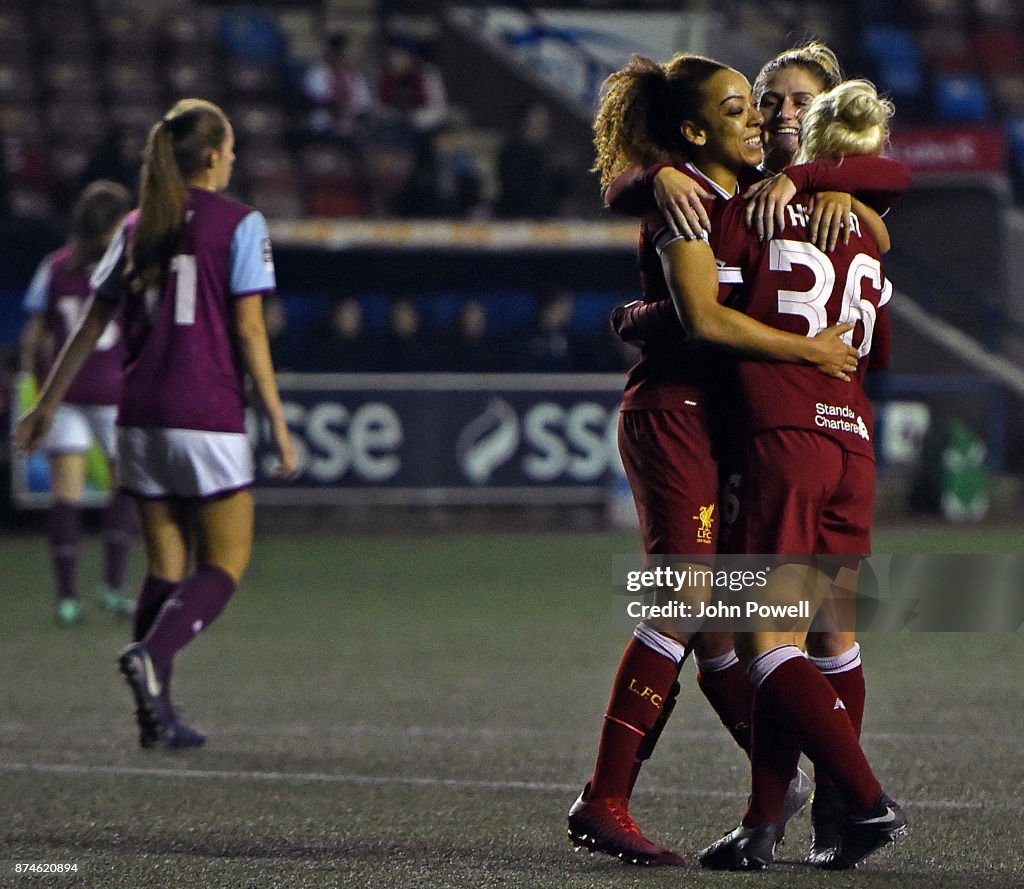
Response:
column 693, row 133
column 211, row 158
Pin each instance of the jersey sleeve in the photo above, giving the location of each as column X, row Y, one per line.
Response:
column 252, row 259
column 108, row 281
column 878, row 181
column 641, row 323
column 38, row 294
column 632, row 192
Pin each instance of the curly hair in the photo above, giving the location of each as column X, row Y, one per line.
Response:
column 814, row 57
column 849, row 119
column 641, row 109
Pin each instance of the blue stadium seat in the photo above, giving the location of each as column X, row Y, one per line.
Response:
column 1015, row 139
column 961, row 97
column 897, row 58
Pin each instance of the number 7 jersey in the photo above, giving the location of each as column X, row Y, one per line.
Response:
column 790, row 284
column 183, row 368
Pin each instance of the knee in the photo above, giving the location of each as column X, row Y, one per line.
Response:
column 830, row 644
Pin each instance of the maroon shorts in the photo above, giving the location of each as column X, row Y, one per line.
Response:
column 674, row 479
column 804, row 494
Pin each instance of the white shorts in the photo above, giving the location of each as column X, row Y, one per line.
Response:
column 77, row 426
column 183, row 462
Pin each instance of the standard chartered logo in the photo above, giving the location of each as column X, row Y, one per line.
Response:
column 840, row 418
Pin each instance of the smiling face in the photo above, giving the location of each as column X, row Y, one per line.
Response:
column 788, row 94
column 728, row 138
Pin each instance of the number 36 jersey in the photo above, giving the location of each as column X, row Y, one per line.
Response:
column 184, row 369
column 790, row 284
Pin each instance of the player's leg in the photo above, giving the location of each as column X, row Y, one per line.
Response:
column 166, row 541
column 671, row 472
column 120, row 519
column 794, row 706
column 67, row 475
column 224, row 531
column 724, row 682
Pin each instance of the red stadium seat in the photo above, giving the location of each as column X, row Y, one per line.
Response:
column 999, row 50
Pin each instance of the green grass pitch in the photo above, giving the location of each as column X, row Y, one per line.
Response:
column 394, row 711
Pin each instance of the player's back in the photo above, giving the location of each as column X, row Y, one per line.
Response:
column 790, row 284
column 184, row 370
column 99, row 380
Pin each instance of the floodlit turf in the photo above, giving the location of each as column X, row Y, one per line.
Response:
column 391, row 712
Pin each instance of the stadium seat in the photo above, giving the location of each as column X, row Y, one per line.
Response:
column 253, row 36
column 252, row 80
column 21, row 121
column 1015, row 138
column 961, row 97
column 947, row 49
column 195, row 75
column 16, row 81
column 132, row 80
column 15, row 36
column 999, row 50
column 72, row 80
column 85, row 121
column 1009, row 94
column 897, row 59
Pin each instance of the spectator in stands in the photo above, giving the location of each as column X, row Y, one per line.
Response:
column 404, row 349
column 411, row 96
column 549, row 345
column 338, row 95
column 275, row 320
column 469, row 346
column 533, row 184
column 338, row 344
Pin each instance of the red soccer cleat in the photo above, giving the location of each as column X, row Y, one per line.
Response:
column 605, row 825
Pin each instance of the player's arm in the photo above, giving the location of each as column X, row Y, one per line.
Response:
column 32, row 428
column 877, row 181
column 255, row 348
column 33, row 334
column 692, row 276
column 678, row 197
column 639, row 323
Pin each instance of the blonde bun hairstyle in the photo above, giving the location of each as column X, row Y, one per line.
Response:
column 849, row 119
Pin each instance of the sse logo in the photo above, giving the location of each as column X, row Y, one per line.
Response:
column 577, row 442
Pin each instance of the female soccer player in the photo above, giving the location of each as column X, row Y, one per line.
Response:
column 55, row 302
column 189, row 268
column 700, row 114
column 809, row 469
column 784, row 88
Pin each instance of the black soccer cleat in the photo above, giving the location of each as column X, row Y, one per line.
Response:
column 863, row 836
column 151, row 713
column 605, row 825
column 828, row 813
column 745, row 848
column 182, row 735
column 797, row 794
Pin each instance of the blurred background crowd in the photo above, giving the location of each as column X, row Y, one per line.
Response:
column 368, row 111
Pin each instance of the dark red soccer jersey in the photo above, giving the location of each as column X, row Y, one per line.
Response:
column 184, row 368
column 673, row 372
column 790, row 284
column 66, row 299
